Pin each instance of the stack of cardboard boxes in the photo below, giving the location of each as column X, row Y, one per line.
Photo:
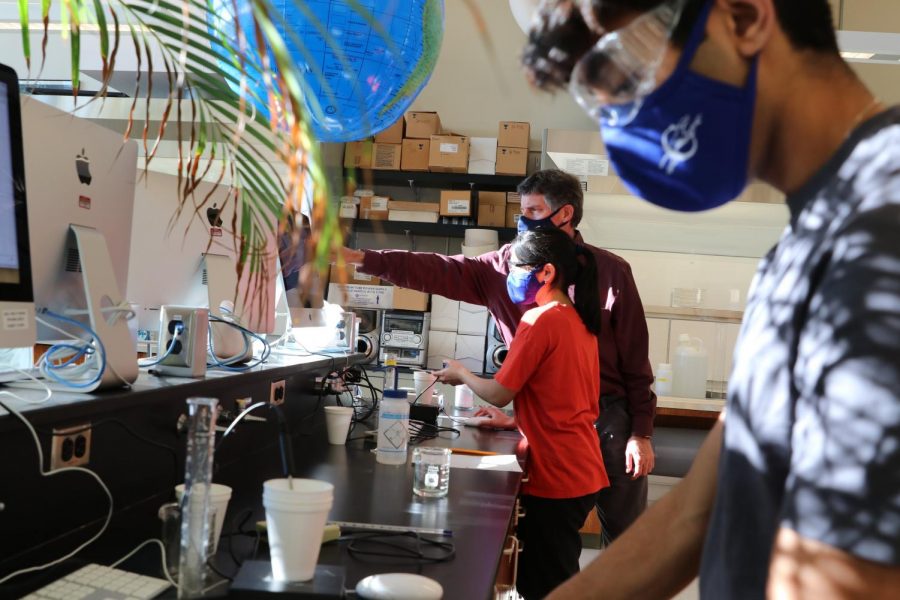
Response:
column 387, row 151
column 458, row 332
column 512, row 148
column 420, row 126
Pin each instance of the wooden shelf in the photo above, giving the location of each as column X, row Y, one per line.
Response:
column 434, row 229
column 714, row 315
column 429, row 179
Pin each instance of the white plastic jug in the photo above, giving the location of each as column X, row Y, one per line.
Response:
column 690, row 368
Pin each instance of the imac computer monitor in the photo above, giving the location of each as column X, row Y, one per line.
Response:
column 17, row 323
column 190, row 258
column 78, row 173
column 81, row 181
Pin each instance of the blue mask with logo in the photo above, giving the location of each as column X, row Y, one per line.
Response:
column 688, row 147
column 526, row 224
column 523, row 286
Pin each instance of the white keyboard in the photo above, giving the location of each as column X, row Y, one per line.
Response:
column 96, row 582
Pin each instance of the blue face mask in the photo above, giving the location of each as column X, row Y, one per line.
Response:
column 688, row 147
column 523, row 286
column 526, row 224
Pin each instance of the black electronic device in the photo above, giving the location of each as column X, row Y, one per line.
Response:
column 255, row 580
column 17, row 322
column 369, row 336
column 496, row 350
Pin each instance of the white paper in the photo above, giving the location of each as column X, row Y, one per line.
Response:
column 449, row 148
column 497, row 462
column 458, row 207
column 585, row 166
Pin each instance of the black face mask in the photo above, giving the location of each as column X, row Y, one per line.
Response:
column 526, row 224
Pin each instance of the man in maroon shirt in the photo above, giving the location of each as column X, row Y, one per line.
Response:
column 627, row 404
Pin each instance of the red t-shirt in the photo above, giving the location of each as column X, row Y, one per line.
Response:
column 553, row 365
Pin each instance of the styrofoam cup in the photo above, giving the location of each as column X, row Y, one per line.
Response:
column 424, row 381
column 219, row 495
column 295, row 522
column 337, row 420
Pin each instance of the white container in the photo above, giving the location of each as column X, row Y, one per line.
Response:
column 296, row 513
column 424, row 381
column 393, row 427
column 663, row 383
column 464, row 399
column 690, row 368
column 219, row 495
column 337, row 421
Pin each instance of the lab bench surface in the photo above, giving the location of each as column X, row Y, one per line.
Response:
column 44, row 518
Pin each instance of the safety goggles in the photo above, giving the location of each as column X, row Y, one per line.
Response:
column 611, row 80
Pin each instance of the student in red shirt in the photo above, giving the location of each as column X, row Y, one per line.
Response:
column 552, row 370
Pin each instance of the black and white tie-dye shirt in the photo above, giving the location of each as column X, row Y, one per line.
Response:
column 812, row 429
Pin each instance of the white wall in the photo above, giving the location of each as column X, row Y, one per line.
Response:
column 472, row 94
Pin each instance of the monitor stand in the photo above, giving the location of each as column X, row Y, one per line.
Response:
column 222, row 285
column 101, row 292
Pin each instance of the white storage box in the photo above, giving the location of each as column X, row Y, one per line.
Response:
column 441, row 347
column 470, row 352
column 472, row 319
column 444, row 314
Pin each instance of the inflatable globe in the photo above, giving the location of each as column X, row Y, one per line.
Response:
column 360, row 72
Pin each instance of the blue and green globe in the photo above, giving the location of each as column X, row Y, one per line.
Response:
column 362, row 62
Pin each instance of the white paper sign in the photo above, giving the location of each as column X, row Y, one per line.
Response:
column 586, row 167
column 449, row 148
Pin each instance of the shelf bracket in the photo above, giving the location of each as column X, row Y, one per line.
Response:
column 415, row 190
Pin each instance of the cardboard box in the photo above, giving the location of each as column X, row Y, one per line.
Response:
column 482, row 155
column 456, row 203
column 473, row 319
column 511, row 161
column 513, row 212
column 414, row 155
column 374, row 208
column 513, row 198
column 406, row 299
column 406, row 205
column 514, row 134
column 422, row 125
column 358, row 155
column 361, row 296
column 441, row 346
column 352, row 276
column 391, row 135
column 492, row 209
column 449, row 154
column 348, row 207
column 412, row 216
column 444, row 314
column 470, row 352
column 386, row 157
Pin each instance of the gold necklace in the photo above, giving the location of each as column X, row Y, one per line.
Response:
column 862, row 115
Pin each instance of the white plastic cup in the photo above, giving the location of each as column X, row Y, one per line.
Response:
column 219, row 496
column 465, row 399
column 337, row 420
column 424, row 382
column 296, row 513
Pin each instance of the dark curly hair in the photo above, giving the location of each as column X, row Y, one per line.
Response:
column 560, row 35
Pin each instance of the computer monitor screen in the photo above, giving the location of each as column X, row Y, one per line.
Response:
column 167, row 249
column 16, row 294
column 78, row 173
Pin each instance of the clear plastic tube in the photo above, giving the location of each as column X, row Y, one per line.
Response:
column 195, row 505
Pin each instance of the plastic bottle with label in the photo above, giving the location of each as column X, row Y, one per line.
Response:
column 663, row 385
column 690, row 368
column 393, row 427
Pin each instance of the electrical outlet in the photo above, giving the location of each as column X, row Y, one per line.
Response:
column 71, row 447
column 277, row 392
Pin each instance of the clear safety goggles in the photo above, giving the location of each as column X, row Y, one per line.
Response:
column 611, row 80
